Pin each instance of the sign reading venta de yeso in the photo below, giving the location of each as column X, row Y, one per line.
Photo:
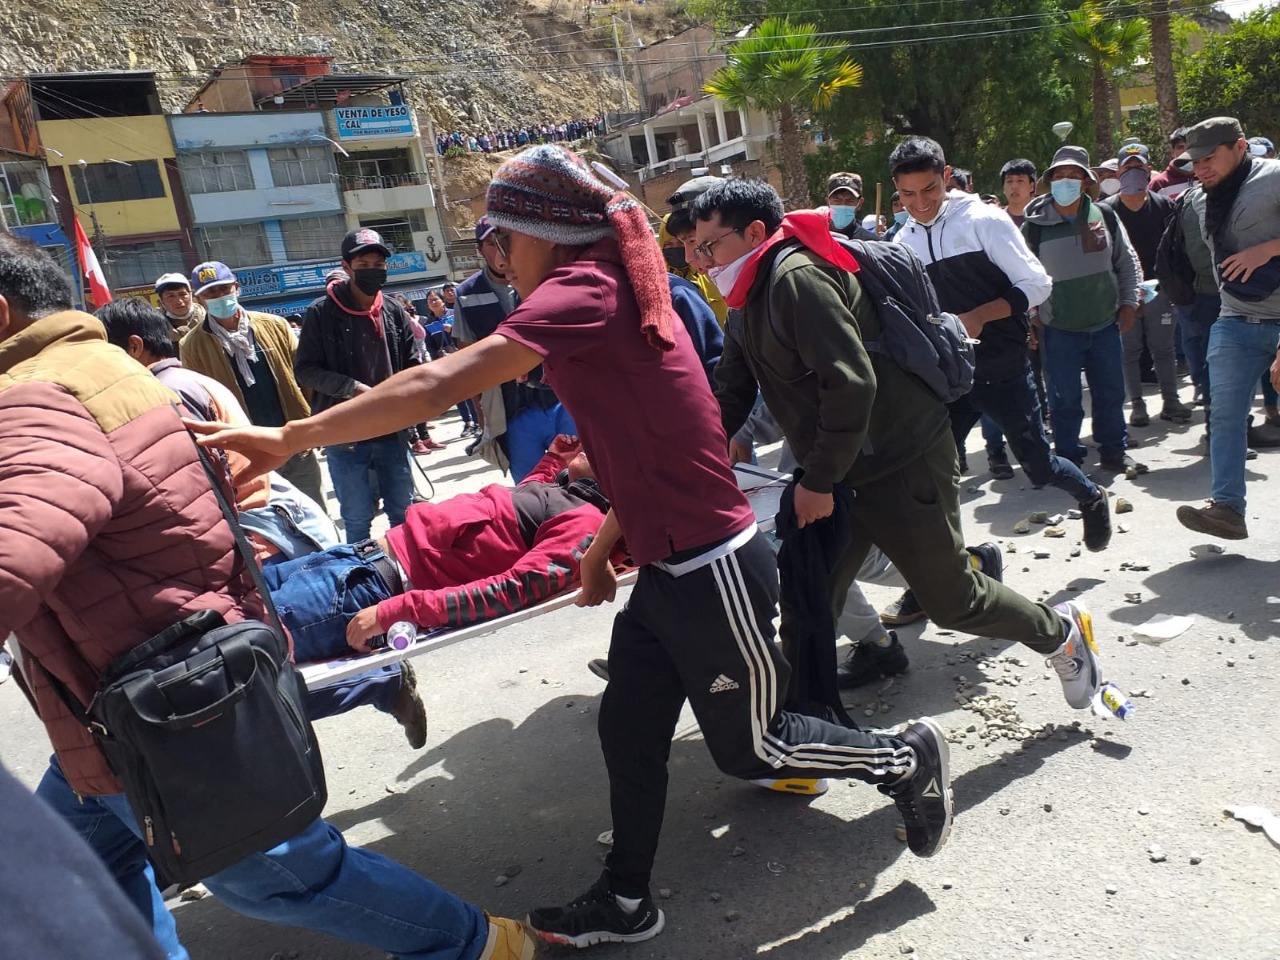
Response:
column 390, row 121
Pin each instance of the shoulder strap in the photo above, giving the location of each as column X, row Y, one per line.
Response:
column 786, row 251
column 1032, row 235
column 1109, row 218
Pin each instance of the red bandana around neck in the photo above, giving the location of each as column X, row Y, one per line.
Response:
column 813, row 229
column 374, row 313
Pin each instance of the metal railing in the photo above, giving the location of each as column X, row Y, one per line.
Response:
column 386, row 181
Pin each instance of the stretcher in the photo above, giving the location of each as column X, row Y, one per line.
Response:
column 762, row 487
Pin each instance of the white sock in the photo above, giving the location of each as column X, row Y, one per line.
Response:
column 629, row 905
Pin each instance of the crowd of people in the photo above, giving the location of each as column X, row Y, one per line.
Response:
column 517, row 138
column 617, row 376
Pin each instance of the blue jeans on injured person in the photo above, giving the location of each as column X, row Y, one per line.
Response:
column 315, row 596
column 1065, row 353
column 314, row 881
column 1239, row 354
column 530, row 433
column 349, row 467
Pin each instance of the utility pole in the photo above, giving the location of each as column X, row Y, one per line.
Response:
column 622, row 68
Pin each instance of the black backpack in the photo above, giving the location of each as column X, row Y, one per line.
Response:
column 205, row 725
column 915, row 332
column 1173, row 266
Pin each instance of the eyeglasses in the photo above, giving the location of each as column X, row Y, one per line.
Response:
column 501, row 239
column 707, row 247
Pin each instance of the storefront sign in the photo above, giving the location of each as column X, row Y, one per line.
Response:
column 355, row 123
column 290, row 278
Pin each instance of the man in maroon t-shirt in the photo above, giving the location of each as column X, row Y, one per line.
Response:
column 596, row 313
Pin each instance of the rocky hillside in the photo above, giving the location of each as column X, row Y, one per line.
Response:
column 481, row 62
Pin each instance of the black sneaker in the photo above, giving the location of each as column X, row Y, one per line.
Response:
column 992, row 560
column 902, row 611
column 1097, row 522
column 1123, row 464
column 924, row 797
column 1138, row 416
column 595, row 917
column 868, row 662
column 999, row 468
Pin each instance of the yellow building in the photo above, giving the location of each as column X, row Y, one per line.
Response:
column 111, row 161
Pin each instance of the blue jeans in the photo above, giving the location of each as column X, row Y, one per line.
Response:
column 529, row 435
column 1065, row 353
column 467, row 411
column 349, row 466
column 314, row 881
column 1239, row 354
column 1194, row 322
column 315, row 596
column 1014, row 406
column 992, row 437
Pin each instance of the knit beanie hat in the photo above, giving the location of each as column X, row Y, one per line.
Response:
column 549, row 193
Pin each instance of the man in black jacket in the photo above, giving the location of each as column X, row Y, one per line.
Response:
column 352, row 339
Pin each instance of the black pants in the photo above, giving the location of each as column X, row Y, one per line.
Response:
column 1015, row 406
column 708, row 636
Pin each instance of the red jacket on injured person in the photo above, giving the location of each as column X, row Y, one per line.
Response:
column 481, row 555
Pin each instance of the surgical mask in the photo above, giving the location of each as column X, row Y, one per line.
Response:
column 223, row 308
column 369, row 280
column 1109, row 187
column 1133, row 182
column 1066, row 192
column 842, row 216
column 675, row 257
column 726, row 276
column 901, row 217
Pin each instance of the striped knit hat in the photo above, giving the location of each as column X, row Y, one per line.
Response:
column 549, row 193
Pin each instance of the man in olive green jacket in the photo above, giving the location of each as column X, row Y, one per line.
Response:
column 862, row 422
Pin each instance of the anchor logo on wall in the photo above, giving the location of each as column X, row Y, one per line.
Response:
column 431, row 253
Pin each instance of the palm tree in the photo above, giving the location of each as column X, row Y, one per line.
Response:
column 1162, row 66
column 1098, row 42
column 788, row 70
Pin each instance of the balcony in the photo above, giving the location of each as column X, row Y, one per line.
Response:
column 387, row 193
column 386, row 181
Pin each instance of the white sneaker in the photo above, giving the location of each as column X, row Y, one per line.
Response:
column 6, row 665
column 1077, row 659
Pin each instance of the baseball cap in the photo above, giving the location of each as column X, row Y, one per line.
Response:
column 358, row 241
column 1261, row 146
column 690, row 191
column 1208, row 135
column 172, row 280
column 211, row 273
column 844, row 181
column 1131, row 150
column 483, row 229
column 1070, row 157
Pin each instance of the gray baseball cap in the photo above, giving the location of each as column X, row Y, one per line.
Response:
column 1208, row 135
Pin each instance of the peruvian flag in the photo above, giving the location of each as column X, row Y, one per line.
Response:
column 99, row 292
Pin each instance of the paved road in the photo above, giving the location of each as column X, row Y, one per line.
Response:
column 512, row 775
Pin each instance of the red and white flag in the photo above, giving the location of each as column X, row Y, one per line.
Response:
column 90, row 269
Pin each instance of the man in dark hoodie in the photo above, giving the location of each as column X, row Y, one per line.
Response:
column 352, row 339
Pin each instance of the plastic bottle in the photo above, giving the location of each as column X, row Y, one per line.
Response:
column 1112, row 702
column 401, row 635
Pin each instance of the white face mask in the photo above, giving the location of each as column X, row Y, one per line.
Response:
column 1109, row 187
column 724, row 277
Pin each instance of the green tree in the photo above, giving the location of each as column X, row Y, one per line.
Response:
column 1096, row 42
column 788, row 70
column 1237, row 74
column 1162, row 66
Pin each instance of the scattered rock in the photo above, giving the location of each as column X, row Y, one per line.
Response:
column 1196, row 860
column 513, row 871
column 1143, row 811
column 1231, row 663
column 1056, row 519
column 1186, row 681
column 900, row 834
column 1048, row 808
column 1055, row 532
column 737, row 851
column 1075, row 551
column 1135, row 597
column 1112, row 889
column 948, row 884
column 1137, row 566
column 907, row 948
column 1217, row 548
column 500, row 880
column 664, row 893
column 1041, row 554
column 1039, row 516
column 1121, row 528
column 197, row 891
column 731, row 915
column 1074, row 514
column 605, row 839
column 716, row 898
column 1122, row 506
column 776, row 868
column 1004, row 811
column 1010, row 547
column 1156, row 854
column 1022, row 526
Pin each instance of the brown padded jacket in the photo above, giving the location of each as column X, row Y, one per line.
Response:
column 109, row 530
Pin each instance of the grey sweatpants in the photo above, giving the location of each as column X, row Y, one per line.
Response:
column 859, row 620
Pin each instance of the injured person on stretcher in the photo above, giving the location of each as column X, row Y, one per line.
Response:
column 471, row 558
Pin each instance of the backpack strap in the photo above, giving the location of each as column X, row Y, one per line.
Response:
column 786, row 251
column 1110, row 219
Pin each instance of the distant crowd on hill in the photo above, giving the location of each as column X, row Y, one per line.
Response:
column 516, row 138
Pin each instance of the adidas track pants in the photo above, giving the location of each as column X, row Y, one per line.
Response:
column 708, row 636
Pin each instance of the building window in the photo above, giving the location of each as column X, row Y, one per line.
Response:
column 378, row 170
column 118, row 182
column 237, row 245
column 299, row 166
column 24, row 195
column 313, row 238
column 397, row 229
column 216, row 172
column 138, row 264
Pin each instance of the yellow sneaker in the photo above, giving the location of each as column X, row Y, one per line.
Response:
column 508, row 940
column 796, row 785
